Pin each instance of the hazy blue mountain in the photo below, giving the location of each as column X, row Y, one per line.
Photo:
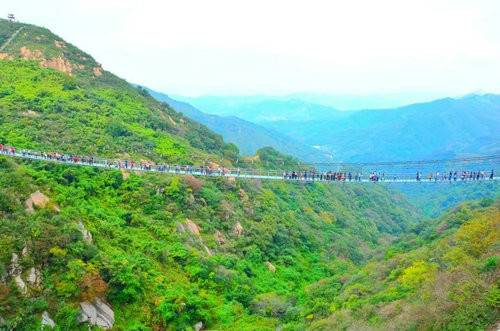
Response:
column 249, row 137
column 365, row 101
column 259, row 109
column 439, row 129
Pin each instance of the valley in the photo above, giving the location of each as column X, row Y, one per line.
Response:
column 125, row 248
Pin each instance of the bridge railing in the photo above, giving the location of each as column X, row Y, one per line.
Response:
column 277, row 174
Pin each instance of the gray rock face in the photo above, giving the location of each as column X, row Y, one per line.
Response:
column 16, row 271
column 97, row 313
column 34, row 278
column 198, row 326
column 21, row 285
column 47, row 321
column 15, row 268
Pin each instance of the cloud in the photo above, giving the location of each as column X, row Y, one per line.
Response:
column 242, row 47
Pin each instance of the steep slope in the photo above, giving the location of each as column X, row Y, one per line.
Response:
column 61, row 98
column 444, row 276
column 249, row 137
column 168, row 251
column 164, row 252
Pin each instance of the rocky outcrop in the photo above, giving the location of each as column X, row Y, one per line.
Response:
column 238, row 229
column 58, row 63
column 219, row 238
column 15, row 268
column 16, row 271
column 21, row 285
column 87, row 236
column 97, row 71
column 193, row 227
column 271, row 267
column 25, row 251
column 198, row 326
column 47, row 322
column 59, row 43
column 39, row 200
column 34, row 278
column 97, row 313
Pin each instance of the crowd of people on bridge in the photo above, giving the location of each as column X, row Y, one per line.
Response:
column 322, row 176
column 144, row 165
column 217, row 170
column 457, row 175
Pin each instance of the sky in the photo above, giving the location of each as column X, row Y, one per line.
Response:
column 274, row 47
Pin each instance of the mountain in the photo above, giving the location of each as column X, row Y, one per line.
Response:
column 147, row 251
column 443, row 275
column 249, row 137
column 444, row 128
column 64, row 100
column 261, row 109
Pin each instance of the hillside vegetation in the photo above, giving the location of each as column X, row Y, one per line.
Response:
column 181, row 252
column 164, row 252
column 88, row 112
column 442, row 276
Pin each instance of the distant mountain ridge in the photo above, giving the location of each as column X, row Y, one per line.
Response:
column 248, row 136
column 259, row 109
column 443, row 128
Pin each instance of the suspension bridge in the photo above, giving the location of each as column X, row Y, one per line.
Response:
column 472, row 169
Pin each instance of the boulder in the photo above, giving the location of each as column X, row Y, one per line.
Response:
column 87, row 236
column 271, row 267
column 238, row 229
column 39, row 200
column 47, row 321
column 198, row 326
column 96, row 313
column 193, row 227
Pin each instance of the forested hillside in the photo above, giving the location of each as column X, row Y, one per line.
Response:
column 161, row 251
column 248, row 136
column 54, row 95
column 441, row 276
column 81, row 246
